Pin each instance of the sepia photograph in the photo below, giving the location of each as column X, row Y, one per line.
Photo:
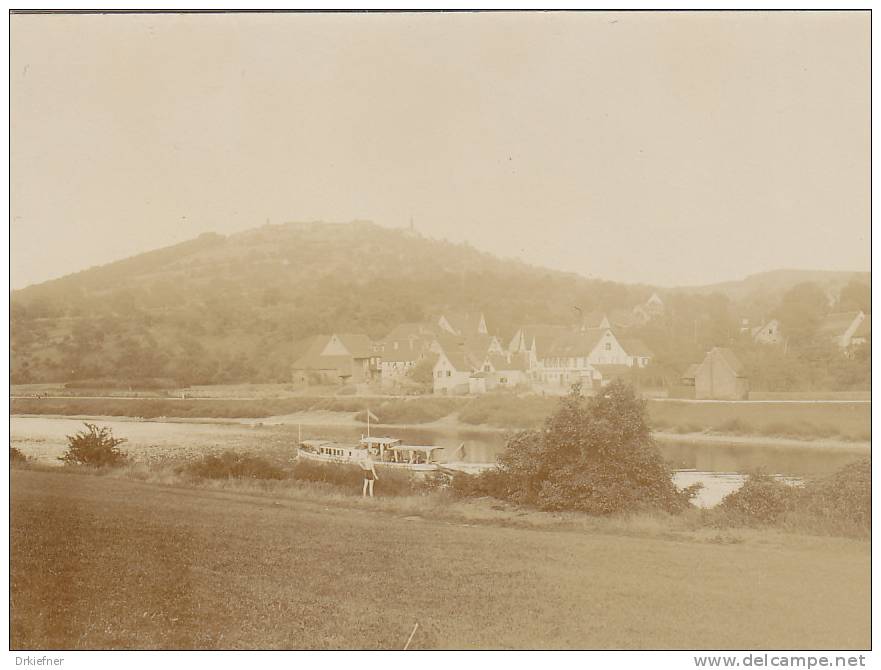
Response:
column 420, row 330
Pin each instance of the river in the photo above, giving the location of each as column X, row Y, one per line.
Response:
column 720, row 467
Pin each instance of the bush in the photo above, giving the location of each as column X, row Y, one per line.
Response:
column 95, row 447
column 843, row 497
column 761, row 499
column 838, row 504
column 231, row 464
column 16, row 457
column 595, row 455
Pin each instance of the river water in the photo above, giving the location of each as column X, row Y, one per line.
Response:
column 720, row 467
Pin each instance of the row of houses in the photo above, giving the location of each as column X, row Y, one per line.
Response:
column 466, row 358
column 846, row 330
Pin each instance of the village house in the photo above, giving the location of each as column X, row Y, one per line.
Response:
column 720, row 376
column 650, row 309
column 535, row 340
column 574, row 357
column 840, row 327
column 638, row 354
column 767, row 333
column 505, row 370
column 863, row 334
column 460, row 358
column 561, row 355
column 343, row 358
column 452, row 372
column 402, row 349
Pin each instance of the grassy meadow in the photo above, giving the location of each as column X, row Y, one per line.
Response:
column 101, row 562
column 809, row 420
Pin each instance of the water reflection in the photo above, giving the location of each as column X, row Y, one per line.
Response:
column 720, row 467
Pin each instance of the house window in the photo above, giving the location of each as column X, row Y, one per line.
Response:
column 486, row 368
column 440, row 373
column 608, row 346
column 503, row 380
column 449, row 373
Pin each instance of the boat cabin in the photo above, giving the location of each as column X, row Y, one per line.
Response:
column 329, row 449
column 408, row 453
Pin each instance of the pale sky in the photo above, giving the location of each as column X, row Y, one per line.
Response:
column 666, row 148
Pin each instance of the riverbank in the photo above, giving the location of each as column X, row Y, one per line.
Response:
column 173, row 567
column 450, row 424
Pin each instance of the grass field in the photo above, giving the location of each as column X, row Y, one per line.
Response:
column 100, row 562
column 847, row 420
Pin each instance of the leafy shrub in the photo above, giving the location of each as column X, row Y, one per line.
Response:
column 837, row 504
column 95, row 447
column 232, row 464
column 843, row 497
column 595, row 455
column 761, row 499
column 16, row 457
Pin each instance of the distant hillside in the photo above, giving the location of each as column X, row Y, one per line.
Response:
column 221, row 309
column 776, row 282
column 230, row 308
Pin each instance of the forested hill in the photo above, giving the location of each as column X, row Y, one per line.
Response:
column 221, row 309
column 229, row 308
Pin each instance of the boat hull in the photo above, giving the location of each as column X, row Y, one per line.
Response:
column 345, row 460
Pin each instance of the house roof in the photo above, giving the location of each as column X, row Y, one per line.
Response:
column 543, row 336
column 838, row 322
column 517, row 361
column 729, row 357
column 620, row 318
column 477, row 346
column 635, row 347
column 412, row 339
column 404, row 331
column 462, row 322
column 459, row 360
column 358, row 345
column 312, row 359
column 578, row 343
